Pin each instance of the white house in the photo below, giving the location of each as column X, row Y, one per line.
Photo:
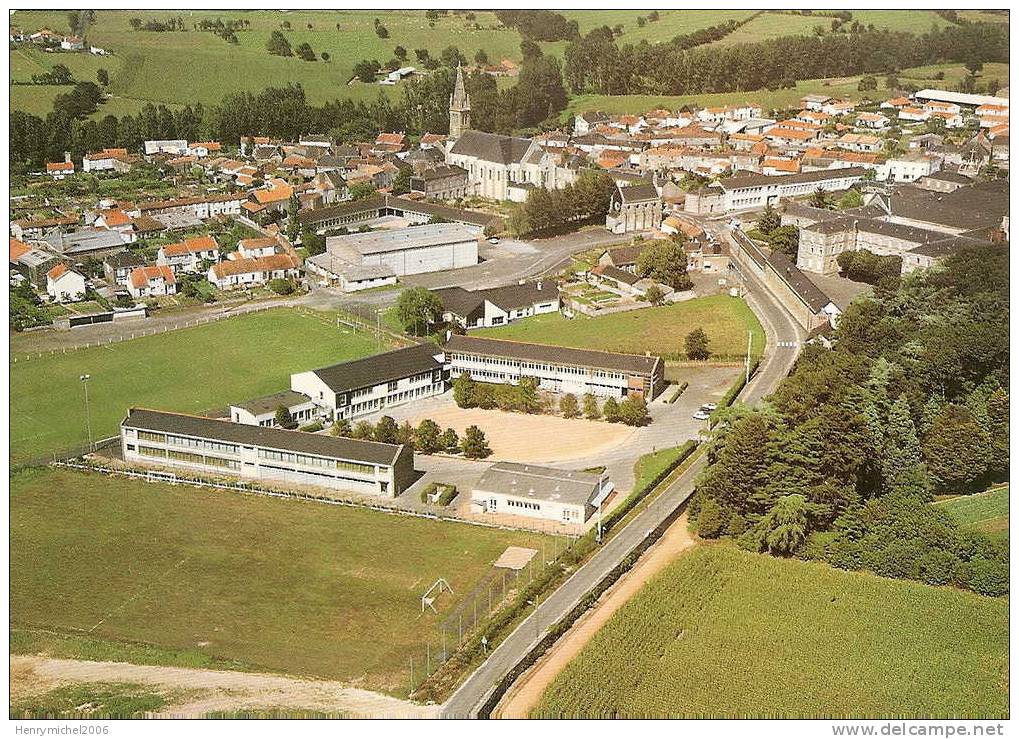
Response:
column 64, row 284
column 188, row 255
column 72, row 43
column 177, row 147
column 60, row 170
column 238, row 273
column 498, row 305
column 909, row 168
column 149, row 282
column 262, row 411
column 875, row 121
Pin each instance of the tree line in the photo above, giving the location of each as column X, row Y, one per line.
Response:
column 596, row 64
column 842, row 463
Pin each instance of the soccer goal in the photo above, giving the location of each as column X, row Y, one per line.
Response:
column 437, row 588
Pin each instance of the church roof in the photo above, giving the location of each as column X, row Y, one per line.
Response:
column 491, row 147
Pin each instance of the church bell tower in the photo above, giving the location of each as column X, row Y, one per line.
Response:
column 459, row 107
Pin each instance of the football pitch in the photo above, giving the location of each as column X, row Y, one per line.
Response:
column 116, row 569
column 189, row 370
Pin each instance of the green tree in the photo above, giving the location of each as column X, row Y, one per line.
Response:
column 341, row 427
column 784, row 528
column 568, row 406
column 610, row 409
column 386, row 430
column 475, row 445
column 633, row 410
column 281, row 286
column 284, row 419
column 528, row 394
column 305, row 52
column 769, row 220
column 902, row 461
column 591, row 411
column 400, row 53
column 785, row 239
column 481, row 57
column 278, row 44
column 362, row 430
column 697, row 345
column 103, row 77
column 362, row 190
column 418, row 308
column 866, row 83
column 957, row 450
column 654, row 295
column 464, row 390
column 293, row 225
column 405, row 434
column 427, row 438
column 665, row 262
column 366, row 69
column 997, row 423
column 450, row 441
column 820, row 199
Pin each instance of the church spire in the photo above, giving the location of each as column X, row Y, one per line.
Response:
column 459, row 107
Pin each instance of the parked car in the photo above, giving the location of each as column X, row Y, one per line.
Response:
column 702, row 415
column 493, row 240
column 709, row 407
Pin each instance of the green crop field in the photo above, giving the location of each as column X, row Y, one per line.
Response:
column 660, row 330
column 259, row 583
column 726, row 633
column 190, row 370
column 196, row 66
column 986, row 512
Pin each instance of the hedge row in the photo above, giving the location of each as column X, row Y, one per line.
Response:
column 680, row 391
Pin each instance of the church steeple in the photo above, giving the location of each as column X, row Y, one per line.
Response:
column 459, row 107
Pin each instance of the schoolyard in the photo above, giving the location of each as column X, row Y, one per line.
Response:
column 189, row 370
column 114, row 569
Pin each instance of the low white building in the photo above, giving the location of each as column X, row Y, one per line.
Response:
column 148, row 282
column 188, row 255
column 363, row 386
column 741, row 192
column 64, row 284
column 909, row 168
column 498, row 306
column 410, row 251
column 350, row 277
column 240, row 273
column 262, row 411
column 546, row 493
column 177, row 147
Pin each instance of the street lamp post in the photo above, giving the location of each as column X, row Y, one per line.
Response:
column 88, row 418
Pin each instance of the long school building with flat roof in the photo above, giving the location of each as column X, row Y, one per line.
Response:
column 558, row 369
column 205, row 445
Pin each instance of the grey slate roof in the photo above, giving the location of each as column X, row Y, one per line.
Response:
column 550, row 354
column 385, row 367
column 269, row 403
column 491, row 147
column 509, row 297
column 353, row 450
column 619, row 275
column 808, row 292
column 638, row 193
column 540, row 483
column 742, row 181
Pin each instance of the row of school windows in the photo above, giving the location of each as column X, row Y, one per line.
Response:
column 188, row 442
column 310, row 461
column 524, row 366
column 186, row 457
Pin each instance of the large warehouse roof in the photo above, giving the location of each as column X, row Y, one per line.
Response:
column 540, row 483
column 960, row 98
column 415, row 237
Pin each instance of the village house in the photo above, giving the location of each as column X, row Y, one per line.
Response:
column 447, row 182
column 117, row 268
column 72, row 43
column 859, row 142
column 240, row 273
column 117, row 160
column 60, row 170
column 188, row 255
column 63, row 284
column 117, row 220
column 499, row 305
column 150, row 282
column 875, row 121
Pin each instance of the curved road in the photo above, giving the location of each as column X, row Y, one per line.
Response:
column 778, row 360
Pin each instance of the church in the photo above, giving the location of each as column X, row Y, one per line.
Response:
column 500, row 167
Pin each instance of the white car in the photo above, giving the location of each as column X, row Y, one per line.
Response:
column 709, row 406
column 702, row 415
column 493, row 240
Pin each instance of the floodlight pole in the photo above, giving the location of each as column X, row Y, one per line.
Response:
column 88, row 417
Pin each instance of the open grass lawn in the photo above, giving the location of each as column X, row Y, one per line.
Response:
column 190, row 370
column 726, row 633
column 986, row 512
column 660, row 330
column 670, row 23
column 303, row 588
column 91, row 700
column 196, row 66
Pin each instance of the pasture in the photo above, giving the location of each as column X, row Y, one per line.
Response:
column 986, row 512
column 660, row 330
column 724, row 633
column 190, row 370
column 191, row 576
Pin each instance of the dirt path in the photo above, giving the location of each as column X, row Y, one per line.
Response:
column 527, row 691
column 212, row 690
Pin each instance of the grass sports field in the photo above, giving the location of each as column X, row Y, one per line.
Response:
column 986, row 512
column 259, row 583
column 659, row 330
column 190, row 370
column 726, row 633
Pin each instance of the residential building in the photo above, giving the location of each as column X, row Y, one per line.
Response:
column 63, row 284
column 440, row 183
column 498, row 305
column 175, row 147
column 189, row 255
column 30, row 263
column 116, row 160
column 742, row 192
column 584, row 122
column 150, row 282
column 634, row 208
column 118, row 267
column 72, row 43
column 550, row 494
column 558, row 369
column 358, row 388
column 240, row 273
column 207, row 446
column 875, row 121
column 85, row 242
column 908, row 168
column 60, row 170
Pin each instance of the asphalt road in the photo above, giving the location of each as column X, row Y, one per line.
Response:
column 777, row 362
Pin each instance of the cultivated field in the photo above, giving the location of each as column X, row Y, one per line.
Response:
column 986, row 512
column 657, row 330
column 190, row 370
column 727, row 633
column 149, row 66
column 199, row 578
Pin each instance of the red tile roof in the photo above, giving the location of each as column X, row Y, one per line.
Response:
column 18, row 248
column 190, row 246
column 57, row 271
column 142, row 276
column 257, row 264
